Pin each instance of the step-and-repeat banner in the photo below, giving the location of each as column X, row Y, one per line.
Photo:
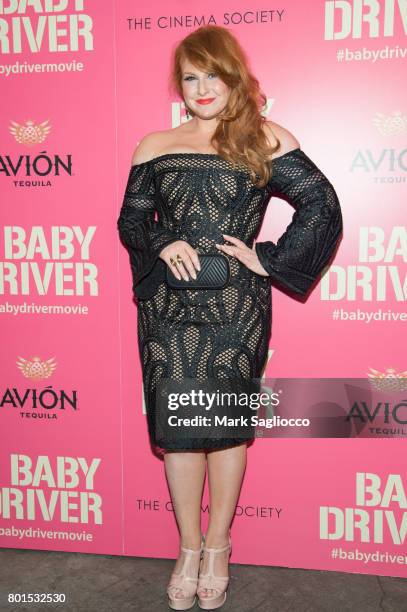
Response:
column 82, row 82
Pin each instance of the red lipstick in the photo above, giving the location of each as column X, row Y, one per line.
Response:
column 205, row 100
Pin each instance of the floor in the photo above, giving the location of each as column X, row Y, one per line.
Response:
column 107, row 583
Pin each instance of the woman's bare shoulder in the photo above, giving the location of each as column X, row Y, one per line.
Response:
column 288, row 141
column 149, row 146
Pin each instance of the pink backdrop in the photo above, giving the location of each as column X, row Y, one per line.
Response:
column 76, row 471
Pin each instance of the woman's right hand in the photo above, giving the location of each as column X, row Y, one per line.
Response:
column 190, row 261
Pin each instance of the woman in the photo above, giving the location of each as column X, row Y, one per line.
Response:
column 210, row 179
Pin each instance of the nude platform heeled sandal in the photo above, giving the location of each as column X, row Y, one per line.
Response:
column 184, row 582
column 215, row 583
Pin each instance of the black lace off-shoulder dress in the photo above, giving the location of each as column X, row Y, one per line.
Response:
column 217, row 333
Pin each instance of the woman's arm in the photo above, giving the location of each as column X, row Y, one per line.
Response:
column 143, row 236
column 309, row 241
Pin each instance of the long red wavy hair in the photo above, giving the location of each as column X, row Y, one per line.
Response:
column 239, row 136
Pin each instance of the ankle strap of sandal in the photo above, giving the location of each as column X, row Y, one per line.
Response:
column 191, row 551
column 219, row 550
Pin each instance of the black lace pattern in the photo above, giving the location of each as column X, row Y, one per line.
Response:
column 218, row 333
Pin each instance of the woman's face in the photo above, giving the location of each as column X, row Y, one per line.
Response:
column 204, row 93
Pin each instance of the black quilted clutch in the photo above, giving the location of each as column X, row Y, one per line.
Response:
column 214, row 274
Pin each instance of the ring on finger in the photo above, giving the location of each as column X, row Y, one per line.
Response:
column 174, row 262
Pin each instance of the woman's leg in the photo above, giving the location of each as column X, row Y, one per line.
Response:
column 185, row 472
column 225, row 473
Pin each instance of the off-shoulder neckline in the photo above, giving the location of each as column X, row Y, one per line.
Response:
column 216, row 155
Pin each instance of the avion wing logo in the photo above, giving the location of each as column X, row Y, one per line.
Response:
column 395, row 123
column 384, row 163
column 28, row 133
column 33, row 169
column 35, row 368
column 36, row 401
column 389, row 380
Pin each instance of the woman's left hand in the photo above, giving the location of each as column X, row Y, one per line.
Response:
column 243, row 253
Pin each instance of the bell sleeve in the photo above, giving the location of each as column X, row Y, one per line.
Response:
column 143, row 236
column 309, row 241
